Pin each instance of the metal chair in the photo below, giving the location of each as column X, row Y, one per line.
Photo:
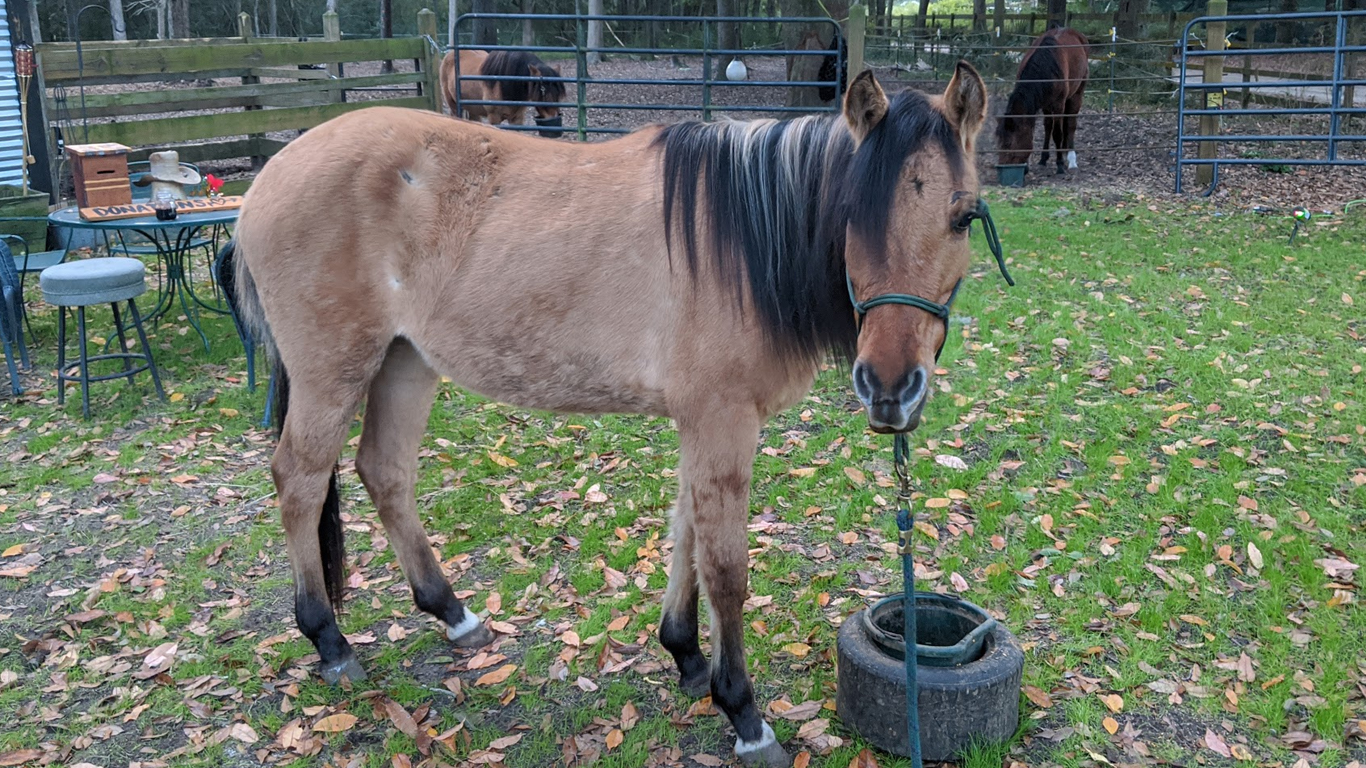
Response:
column 27, row 260
column 12, row 317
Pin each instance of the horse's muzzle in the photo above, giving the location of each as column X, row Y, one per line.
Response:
column 550, row 122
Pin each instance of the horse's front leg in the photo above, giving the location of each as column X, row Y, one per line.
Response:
column 717, row 456
column 1047, row 134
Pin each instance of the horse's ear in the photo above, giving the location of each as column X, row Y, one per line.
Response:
column 864, row 105
column 965, row 103
column 534, row 70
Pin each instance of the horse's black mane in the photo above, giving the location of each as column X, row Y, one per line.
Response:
column 777, row 199
column 518, row 64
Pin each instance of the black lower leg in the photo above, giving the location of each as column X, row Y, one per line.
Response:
column 317, row 622
column 678, row 635
column 433, row 595
column 733, row 694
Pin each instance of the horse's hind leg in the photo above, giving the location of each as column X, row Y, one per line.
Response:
column 717, row 456
column 1069, row 130
column 1058, row 141
column 678, row 626
column 314, row 431
column 395, row 419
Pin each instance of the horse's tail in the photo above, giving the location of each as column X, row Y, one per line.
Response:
column 235, row 278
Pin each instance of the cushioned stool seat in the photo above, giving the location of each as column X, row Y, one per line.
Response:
column 78, row 284
column 93, row 281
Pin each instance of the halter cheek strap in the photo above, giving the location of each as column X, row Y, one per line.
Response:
column 940, row 311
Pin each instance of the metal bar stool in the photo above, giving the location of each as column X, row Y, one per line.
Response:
column 81, row 284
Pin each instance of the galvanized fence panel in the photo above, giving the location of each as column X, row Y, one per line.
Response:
column 582, row 79
column 1339, row 85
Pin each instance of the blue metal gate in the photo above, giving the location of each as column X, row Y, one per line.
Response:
column 708, row 81
column 1335, row 110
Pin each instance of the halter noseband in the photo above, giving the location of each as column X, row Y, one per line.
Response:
column 940, row 311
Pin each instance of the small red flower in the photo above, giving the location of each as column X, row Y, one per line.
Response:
column 214, row 183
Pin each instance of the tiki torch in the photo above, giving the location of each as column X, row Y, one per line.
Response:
column 24, row 67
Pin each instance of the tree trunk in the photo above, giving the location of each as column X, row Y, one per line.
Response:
column 528, row 31
column 594, row 31
column 1285, row 31
column 485, row 30
column 920, row 16
column 180, row 18
column 161, row 19
column 274, row 18
column 806, row 37
column 979, row 15
column 1129, row 12
column 727, row 36
column 1057, row 13
column 116, row 14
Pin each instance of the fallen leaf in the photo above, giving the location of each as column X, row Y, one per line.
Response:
column 1111, row 725
column 1215, row 742
column 497, row 676
column 1254, row 555
column 802, row 760
column 711, row 761
column 1240, row 752
column 21, row 756
column 1038, row 696
column 505, row 742
column 952, row 462
column 864, row 759
column 1114, row 702
column 342, row 721
column 856, row 476
column 629, row 716
column 797, row 649
column 17, row 549
column 501, row 460
column 960, row 584
column 103, row 478
column 614, row 738
column 243, row 733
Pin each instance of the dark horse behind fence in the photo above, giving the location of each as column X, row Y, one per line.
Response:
column 543, row 86
column 701, row 272
column 1051, row 80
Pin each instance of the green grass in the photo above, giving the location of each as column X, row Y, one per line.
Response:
column 1159, row 395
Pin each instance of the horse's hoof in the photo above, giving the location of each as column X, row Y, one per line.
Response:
column 766, row 751
column 348, row 668
column 696, row 686
column 478, row 637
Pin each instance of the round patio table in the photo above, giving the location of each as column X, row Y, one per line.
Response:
column 173, row 239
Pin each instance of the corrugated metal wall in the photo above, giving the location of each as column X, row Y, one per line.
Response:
column 11, row 133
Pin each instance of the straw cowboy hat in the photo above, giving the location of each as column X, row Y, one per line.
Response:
column 168, row 176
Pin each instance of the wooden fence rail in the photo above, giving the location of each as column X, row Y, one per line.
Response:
column 274, row 85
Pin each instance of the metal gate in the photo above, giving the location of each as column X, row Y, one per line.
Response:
column 709, row 83
column 1338, row 86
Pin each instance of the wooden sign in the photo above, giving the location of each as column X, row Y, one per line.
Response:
column 133, row 210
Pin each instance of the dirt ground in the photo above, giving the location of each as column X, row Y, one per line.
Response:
column 1129, row 150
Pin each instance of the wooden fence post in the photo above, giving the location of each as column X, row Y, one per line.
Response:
column 245, row 30
column 332, row 33
column 1212, row 72
column 431, row 63
column 858, row 25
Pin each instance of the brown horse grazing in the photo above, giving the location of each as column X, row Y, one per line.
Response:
column 703, row 274
column 503, row 64
column 1052, row 80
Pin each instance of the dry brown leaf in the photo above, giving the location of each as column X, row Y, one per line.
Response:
column 497, row 676
column 1111, row 725
column 614, row 738
column 342, row 721
column 802, row 760
column 711, row 761
column 1254, row 556
column 1216, row 742
column 21, row 756
column 855, row 475
column 501, row 460
column 797, row 649
column 505, row 742
column 1114, row 702
column 1040, row 697
column 629, row 716
column 618, row 624
column 864, row 759
column 17, row 549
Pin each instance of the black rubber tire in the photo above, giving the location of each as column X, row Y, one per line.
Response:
column 976, row 702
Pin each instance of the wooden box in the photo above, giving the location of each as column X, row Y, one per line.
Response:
column 100, row 172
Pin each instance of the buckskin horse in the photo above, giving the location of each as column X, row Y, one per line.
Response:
column 1051, row 79
column 703, row 273
column 546, row 88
